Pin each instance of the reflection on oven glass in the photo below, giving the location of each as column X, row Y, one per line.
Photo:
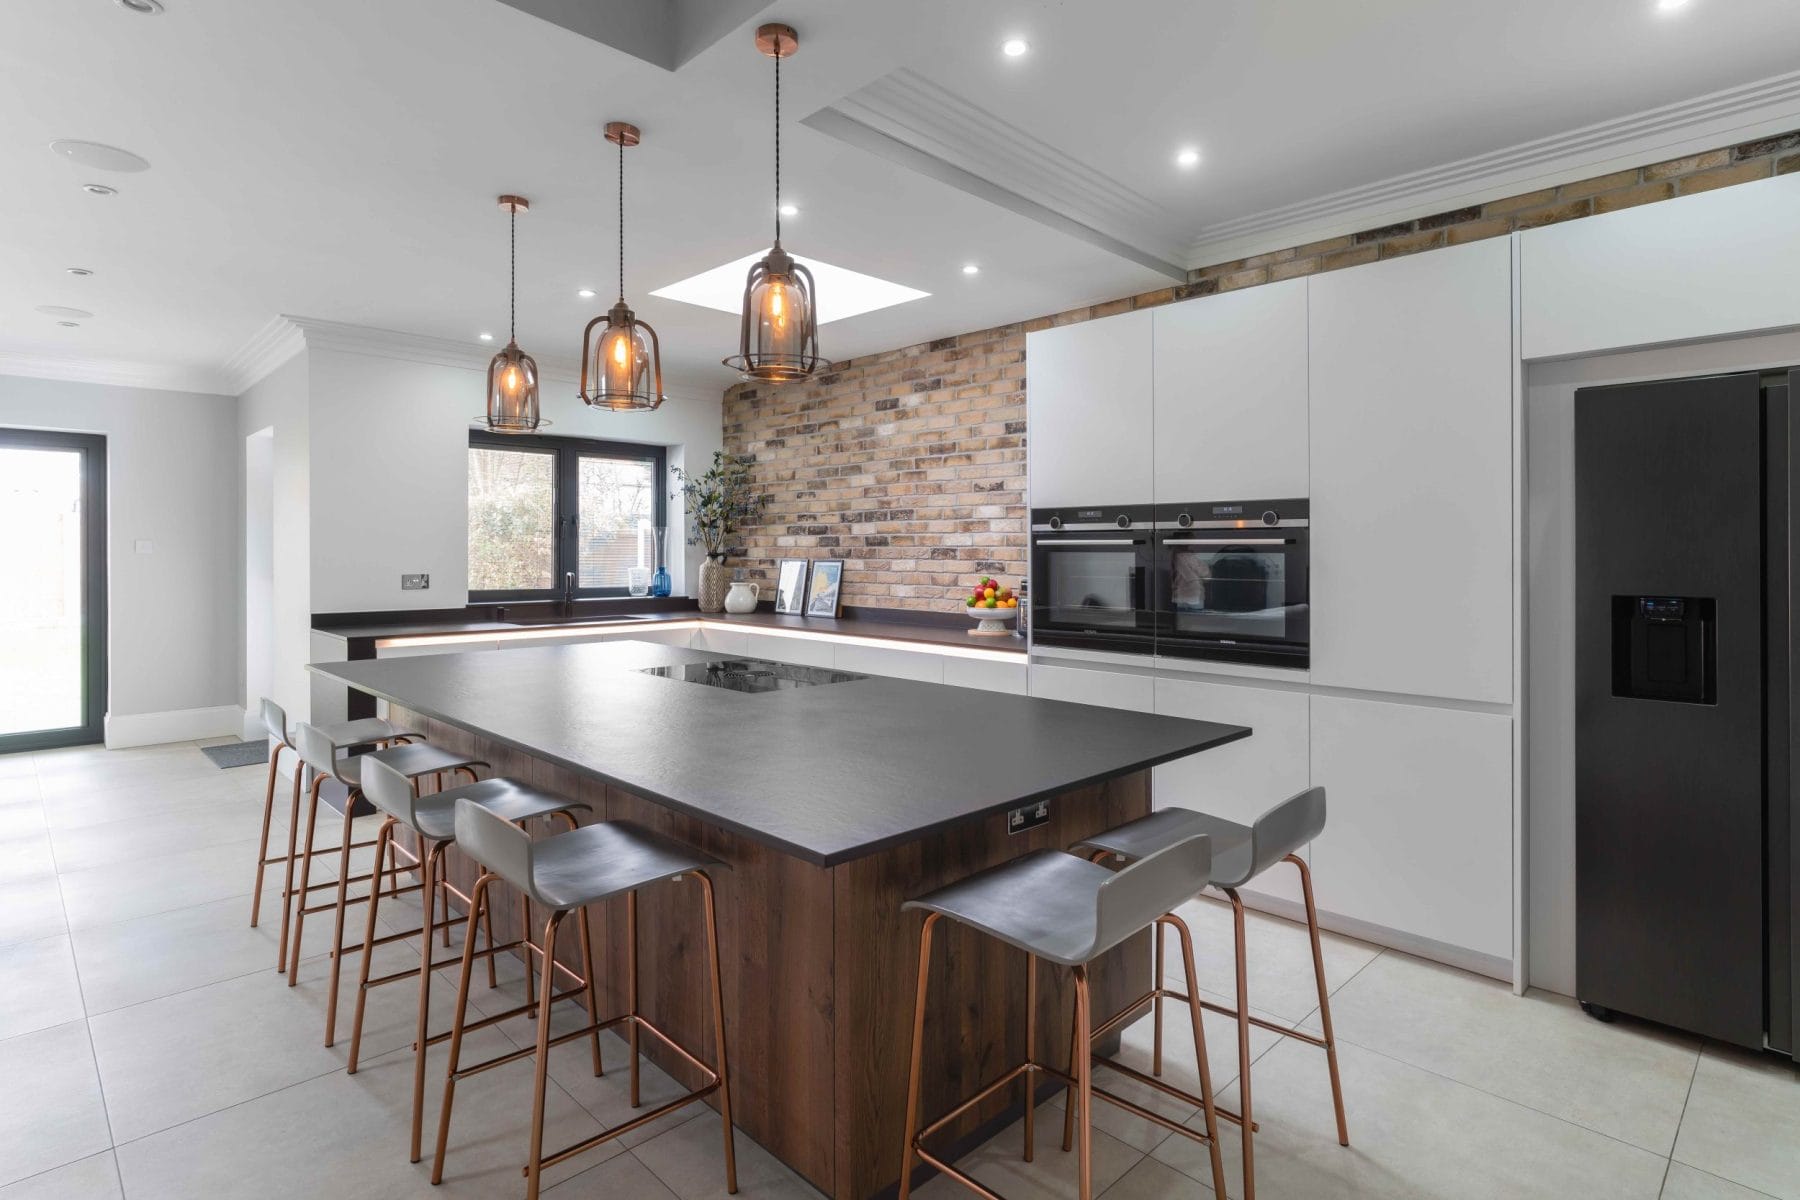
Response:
column 1229, row 581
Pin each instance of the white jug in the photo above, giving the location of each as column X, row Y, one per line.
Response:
column 741, row 598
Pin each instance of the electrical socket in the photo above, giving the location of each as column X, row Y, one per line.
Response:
column 1030, row 816
column 414, row 583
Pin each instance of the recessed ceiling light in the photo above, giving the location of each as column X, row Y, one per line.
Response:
column 1188, row 157
column 842, row 292
column 99, row 157
column 789, row 210
column 79, row 271
column 1670, row 5
column 586, row 293
column 70, row 324
column 58, row 310
column 1015, row 47
column 99, row 189
column 971, row 269
column 486, row 337
column 148, row 8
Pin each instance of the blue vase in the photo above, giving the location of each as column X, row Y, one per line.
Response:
column 660, row 583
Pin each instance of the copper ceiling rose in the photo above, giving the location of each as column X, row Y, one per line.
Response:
column 778, row 334
column 512, row 377
column 621, row 369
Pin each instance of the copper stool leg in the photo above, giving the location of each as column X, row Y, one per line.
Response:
column 1084, row 1080
column 540, row 1083
column 1330, row 1039
column 918, row 1047
column 1031, row 974
column 343, row 899
column 306, row 858
column 383, row 846
column 287, row 881
column 1243, row 1024
column 1156, row 1043
column 631, row 986
column 262, row 848
column 432, row 860
column 477, row 905
column 587, row 971
column 1206, row 1089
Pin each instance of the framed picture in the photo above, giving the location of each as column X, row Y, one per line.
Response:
column 826, row 596
column 790, row 586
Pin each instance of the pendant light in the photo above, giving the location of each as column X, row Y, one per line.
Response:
column 778, row 338
column 512, row 378
column 622, row 368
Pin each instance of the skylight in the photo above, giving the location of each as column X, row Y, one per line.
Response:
column 842, row 292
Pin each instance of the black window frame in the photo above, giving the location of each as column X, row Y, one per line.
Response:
column 565, row 503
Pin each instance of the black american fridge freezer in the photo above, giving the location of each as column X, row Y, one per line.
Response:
column 1685, row 801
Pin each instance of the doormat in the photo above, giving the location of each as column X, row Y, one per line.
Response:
column 238, row 754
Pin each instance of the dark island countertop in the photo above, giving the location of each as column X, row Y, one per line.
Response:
column 827, row 773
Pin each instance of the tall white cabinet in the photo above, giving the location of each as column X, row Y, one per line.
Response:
column 1411, row 432
column 1229, row 395
column 1088, row 412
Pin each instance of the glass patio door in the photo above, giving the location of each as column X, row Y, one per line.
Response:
column 52, row 589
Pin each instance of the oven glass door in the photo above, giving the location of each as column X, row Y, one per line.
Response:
column 1230, row 588
column 1091, row 589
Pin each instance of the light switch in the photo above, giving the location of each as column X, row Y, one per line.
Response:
column 144, row 546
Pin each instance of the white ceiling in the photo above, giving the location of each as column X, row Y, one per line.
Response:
column 339, row 158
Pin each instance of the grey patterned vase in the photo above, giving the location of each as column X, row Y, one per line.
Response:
column 714, row 579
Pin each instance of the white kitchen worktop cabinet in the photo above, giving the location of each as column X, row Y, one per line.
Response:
column 1411, row 423
column 1088, row 412
column 1229, row 387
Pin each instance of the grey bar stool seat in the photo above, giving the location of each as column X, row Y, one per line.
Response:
column 366, row 731
column 567, row 873
column 1068, row 911
column 432, row 819
column 319, row 752
column 1275, row 837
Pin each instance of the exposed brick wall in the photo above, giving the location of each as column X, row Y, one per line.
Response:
column 911, row 463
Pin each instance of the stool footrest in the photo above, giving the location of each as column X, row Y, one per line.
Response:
column 617, row 1131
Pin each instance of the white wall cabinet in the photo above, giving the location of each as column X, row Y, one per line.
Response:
column 987, row 674
column 1229, row 382
column 1088, row 412
column 1108, row 689
column 808, row 652
column 925, row 667
column 1411, row 431
column 720, row 641
column 1418, row 832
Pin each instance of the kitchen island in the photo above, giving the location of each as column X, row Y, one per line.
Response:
column 833, row 797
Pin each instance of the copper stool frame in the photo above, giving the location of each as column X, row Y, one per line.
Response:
column 343, row 881
column 715, row 1080
column 1325, row 1040
column 265, row 860
column 436, row 881
column 1079, row 1077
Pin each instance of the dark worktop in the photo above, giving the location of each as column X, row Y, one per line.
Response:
column 930, row 629
column 827, row 774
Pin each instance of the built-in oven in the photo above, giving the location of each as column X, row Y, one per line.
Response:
column 1231, row 582
column 1091, row 578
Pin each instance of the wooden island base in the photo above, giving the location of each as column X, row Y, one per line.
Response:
column 820, row 966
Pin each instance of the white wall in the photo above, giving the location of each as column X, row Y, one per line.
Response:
column 1550, row 593
column 390, row 472
column 172, row 466
column 276, row 408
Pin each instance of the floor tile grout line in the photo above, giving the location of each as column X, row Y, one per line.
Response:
column 1675, row 1140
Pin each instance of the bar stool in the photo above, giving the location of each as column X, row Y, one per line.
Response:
column 1241, row 853
column 369, row 731
column 1068, row 911
column 321, row 754
column 432, row 818
column 566, row 873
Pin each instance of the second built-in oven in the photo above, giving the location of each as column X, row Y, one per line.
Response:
column 1231, row 582
column 1092, row 572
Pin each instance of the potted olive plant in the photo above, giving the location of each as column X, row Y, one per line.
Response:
column 718, row 503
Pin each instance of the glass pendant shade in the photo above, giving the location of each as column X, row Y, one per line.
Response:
column 512, row 377
column 512, row 385
column 779, row 333
column 621, row 368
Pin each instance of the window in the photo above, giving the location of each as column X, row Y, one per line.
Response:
column 540, row 507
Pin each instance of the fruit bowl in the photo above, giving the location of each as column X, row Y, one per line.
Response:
column 993, row 620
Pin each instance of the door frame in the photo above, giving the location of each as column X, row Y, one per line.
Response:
column 92, row 447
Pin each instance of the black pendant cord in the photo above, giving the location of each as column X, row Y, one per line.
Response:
column 512, row 275
column 778, row 139
column 621, row 219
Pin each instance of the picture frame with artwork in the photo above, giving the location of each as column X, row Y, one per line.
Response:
column 825, row 593
column 790, row 586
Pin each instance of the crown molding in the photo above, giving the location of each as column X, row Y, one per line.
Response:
column 908, row 119
column 1706, row 122
column 162, row 377
column 268, row 349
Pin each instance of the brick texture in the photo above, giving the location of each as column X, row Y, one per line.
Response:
column 910, row 464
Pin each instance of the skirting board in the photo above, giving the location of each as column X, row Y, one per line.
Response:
column 1491, row 965
column 124, row 730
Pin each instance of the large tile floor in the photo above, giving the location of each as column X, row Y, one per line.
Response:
column 148, row 1050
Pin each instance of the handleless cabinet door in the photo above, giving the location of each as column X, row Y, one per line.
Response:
column 1087, row 398
column 1230, row 387
column 1081, row 685
column 1411, row 417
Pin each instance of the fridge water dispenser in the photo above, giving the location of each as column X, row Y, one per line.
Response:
column 1663, row 648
